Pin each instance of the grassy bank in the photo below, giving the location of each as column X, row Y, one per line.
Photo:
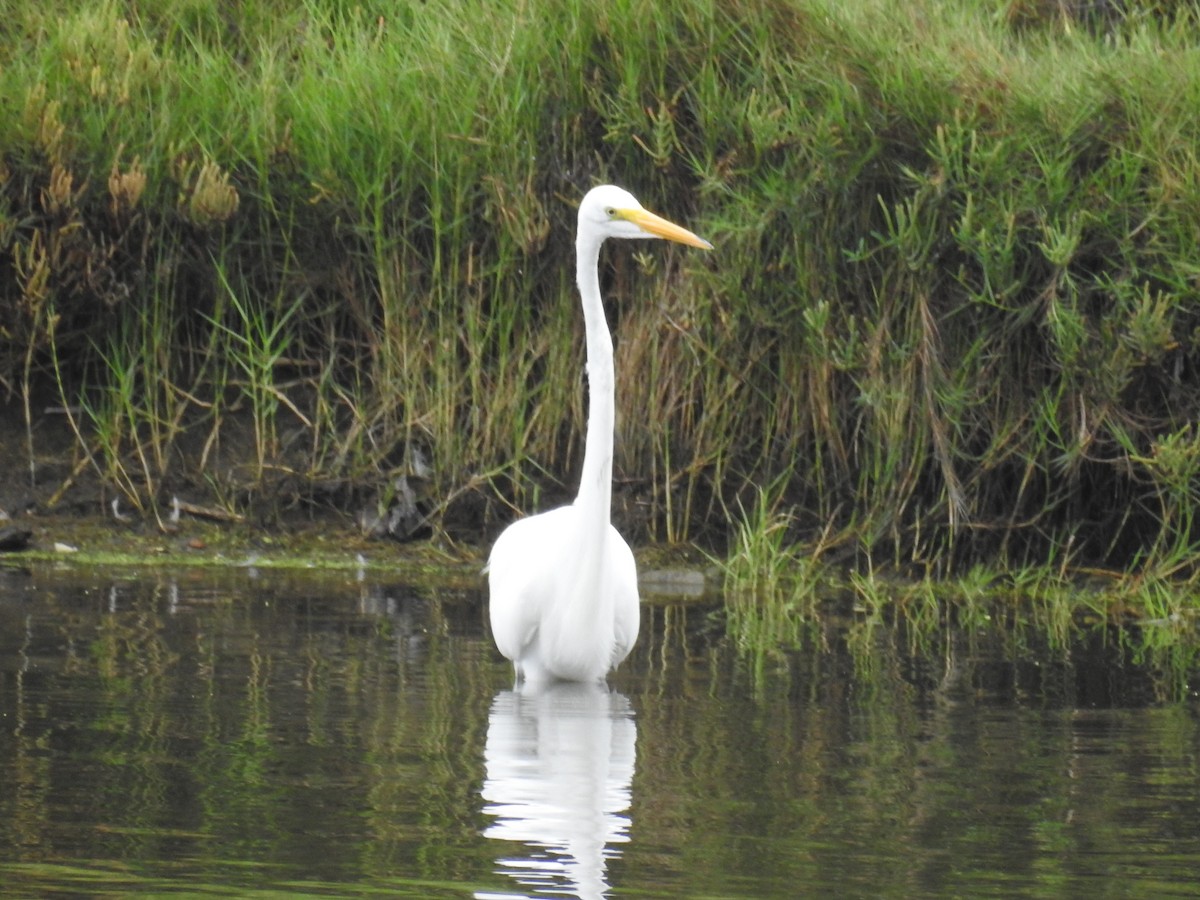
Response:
column 292, row 252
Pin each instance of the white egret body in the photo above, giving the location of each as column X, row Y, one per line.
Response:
column 563, row 584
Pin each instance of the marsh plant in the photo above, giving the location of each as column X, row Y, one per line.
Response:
column 295, row 248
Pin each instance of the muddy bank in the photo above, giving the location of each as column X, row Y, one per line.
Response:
column 58, row 508
column 54, row 488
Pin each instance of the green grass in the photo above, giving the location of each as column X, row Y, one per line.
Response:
column 268, row 249
column 772, row 586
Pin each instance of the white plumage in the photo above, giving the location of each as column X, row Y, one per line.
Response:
column 563, row 584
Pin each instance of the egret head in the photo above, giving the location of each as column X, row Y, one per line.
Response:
column 609, row 211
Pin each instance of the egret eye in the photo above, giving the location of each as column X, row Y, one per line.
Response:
column 611, row 212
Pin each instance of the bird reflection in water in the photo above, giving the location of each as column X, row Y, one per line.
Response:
column 560, row 760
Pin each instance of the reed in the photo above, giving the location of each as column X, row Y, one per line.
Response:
column 772, row 588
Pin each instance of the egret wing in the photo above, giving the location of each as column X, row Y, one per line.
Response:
column 626, row 605
column 521, row 581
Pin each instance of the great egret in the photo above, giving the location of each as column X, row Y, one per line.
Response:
column 563, row 584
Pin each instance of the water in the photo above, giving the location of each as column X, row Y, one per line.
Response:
column 233, row 735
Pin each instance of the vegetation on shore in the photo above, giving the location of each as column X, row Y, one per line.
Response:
column 297, row 251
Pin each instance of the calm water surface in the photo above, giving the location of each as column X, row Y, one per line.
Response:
column 252, row 735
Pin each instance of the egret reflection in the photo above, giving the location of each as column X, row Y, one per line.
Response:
column 560, row 761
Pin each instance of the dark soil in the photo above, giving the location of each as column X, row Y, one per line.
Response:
column 60, row 496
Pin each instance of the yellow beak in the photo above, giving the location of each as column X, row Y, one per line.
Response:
column 660, row 227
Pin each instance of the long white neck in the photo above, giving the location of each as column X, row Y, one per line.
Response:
column 595, row 484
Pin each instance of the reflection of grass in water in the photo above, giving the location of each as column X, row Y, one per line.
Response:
column 220, row 720
column 778, row 597
column 1171, row 650
column 770, row 587
column 230, row 877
